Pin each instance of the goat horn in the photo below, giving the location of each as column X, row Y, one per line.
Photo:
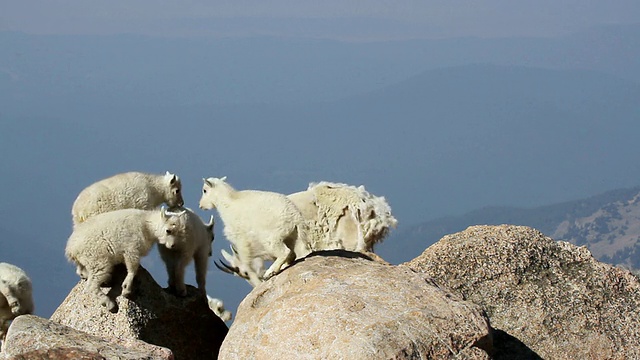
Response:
column 226, row 268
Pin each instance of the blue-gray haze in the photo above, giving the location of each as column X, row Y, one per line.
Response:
column 438, row 127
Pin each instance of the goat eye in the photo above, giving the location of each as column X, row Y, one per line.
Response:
column 204, row 191
column 177, row 191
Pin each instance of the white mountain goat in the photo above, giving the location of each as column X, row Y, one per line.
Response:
column 16, row 295
column 343, row 216
column 131, row 190
column 259, row 224
column 339, row 216
column 217, row 306
column 196, row 246
column 116, row 237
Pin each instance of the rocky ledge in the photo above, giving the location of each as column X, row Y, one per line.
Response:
column 489, row 292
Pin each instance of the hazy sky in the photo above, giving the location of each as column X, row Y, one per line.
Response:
column 328, row 18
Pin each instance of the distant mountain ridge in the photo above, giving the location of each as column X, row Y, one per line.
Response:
column 264, row 69
column 612, row 232
column 607, row 224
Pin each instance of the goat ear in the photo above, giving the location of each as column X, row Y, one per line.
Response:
column 206, row 181
column 171, row 177
column 223, row 178
column 163, row 212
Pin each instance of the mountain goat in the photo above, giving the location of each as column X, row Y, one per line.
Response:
column 339, row 216
column 16, row 295
column 259, row 224
column 217, row 306
column 131, row 190
column 343, row 216
column 120, row 236
column 196, row 246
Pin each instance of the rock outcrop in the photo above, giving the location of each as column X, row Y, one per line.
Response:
column 32, row 337
column 499, row 292
column 186, row 325
column 545, row 298
column 339, row 305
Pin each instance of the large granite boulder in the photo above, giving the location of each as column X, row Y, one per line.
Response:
column 545, row 298
column 338, row 305
column 186, row 325
column 32, row 337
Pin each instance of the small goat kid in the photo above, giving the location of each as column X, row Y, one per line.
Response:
column 259, row 224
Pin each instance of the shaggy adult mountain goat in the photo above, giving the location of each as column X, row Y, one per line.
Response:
column 195, row 245
column 131, row 190
column 343, row 216
column 116, row 237
column 259, row 224
column 15, row 295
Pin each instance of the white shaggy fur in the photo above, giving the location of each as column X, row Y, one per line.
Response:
column 116, row 237
column 131, row 190
column 217, row 306
column 343, row 216
column 15, row 295
column 196, row 246
column 259, row 224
